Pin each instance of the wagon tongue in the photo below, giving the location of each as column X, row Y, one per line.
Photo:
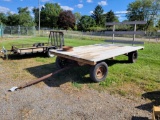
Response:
column 38, row 80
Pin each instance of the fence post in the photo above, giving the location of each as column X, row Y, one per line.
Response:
column 19, row 30
column 10, row 30
column 27, row 30
column 34, row 30
column 1, row 30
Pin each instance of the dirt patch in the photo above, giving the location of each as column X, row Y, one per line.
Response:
column 57, row 98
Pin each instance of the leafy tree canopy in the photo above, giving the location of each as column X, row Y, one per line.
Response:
column 66, row 20
column 98, row 15
column 110, row 17
column 77, row 17
column 25, row 18
column 49, row 15
column 3, row 18
column 86, row 22
column 143, row 10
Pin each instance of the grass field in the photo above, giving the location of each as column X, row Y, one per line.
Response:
column 123, row 78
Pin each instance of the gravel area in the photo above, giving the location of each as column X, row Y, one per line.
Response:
column 48, row 103
column 66, row 102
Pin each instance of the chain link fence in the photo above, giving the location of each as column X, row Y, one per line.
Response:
column 17, row 31
column 149, row 36
column 20, row 31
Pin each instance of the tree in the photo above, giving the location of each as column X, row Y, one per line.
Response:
column 13, row 20
column 77, row 17
column 86, row 22
column 110, row 17
column 143, row 10
column 3, row 18
column 49, row 15
column 98, row 16
column 158, row 24
column 36, row 15
column 25, row 18
column 66, row 20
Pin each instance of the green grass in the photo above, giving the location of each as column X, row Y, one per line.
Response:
column 77, row 85
column 17, row 41
column 145, row 73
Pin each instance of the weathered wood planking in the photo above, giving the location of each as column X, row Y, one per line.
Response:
column 31, row 50
column 125, row 42
column 128, row 23
column 91, row 54
column 124, row 32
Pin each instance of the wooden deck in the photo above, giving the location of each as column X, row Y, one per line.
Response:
column 91, row 54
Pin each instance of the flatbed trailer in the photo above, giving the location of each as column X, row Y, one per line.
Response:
column 94, row 55
column 31, row 48
column 55, row 41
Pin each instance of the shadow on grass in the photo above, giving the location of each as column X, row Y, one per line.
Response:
column 25, row 56
column 111, row 62
column 155, row 100
column 74, row 74
column 78, row 74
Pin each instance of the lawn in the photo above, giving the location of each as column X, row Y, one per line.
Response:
column 123, row 78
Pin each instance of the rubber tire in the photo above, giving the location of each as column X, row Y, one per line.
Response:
column 49, row 54
column 132, row 57
column 94, row 69
column 61, row 62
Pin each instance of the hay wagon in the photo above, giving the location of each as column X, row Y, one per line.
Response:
column 94, row 55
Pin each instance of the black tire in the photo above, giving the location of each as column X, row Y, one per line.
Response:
column 61, row 62
column 99, row 72
column 132, row 57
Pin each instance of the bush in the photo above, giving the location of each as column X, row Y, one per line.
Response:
column 96, row 29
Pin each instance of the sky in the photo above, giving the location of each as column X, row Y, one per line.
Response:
column 84, row 7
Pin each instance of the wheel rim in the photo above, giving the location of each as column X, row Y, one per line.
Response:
column 50, row 55
column 100, row 72
column 134, row 56
column 62, row 62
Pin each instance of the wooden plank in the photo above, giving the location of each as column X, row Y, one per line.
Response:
column 25, row 51
column 93, row 48
column 124, row 32
column 126, row 23
column 125, row 42
column 85, row 61
column 115, row 52
column 108, row 53
column 93, row 53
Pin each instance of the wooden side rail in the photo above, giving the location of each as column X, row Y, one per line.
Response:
column 125, row 42
column 134, row 32
column 125, row 32
column 127, row 23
